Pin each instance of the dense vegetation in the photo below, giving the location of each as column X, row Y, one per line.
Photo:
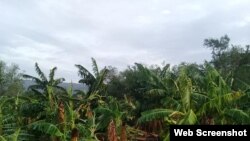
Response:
column 135, row 104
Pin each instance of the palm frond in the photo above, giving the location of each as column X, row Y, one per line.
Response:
column 82, row 71
column 160, row 92
column 156, row 114
column 216, row 103
column 100, row 79
column 36, row 86
column 58, row 81
column 52, row 74
column 40, row 73
column 47, row 128
column 37, row 80
column 237, row 115
column 200, row 96
column 152, row 79
column 88, row 78
column 199, row 99
column 95, row 67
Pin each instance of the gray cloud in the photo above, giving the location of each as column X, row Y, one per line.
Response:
column 63, row 33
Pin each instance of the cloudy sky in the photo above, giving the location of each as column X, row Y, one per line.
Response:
column 115, row 32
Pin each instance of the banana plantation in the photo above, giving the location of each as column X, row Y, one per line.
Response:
column 136, row 104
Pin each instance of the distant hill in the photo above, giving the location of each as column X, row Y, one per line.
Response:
column 76, row 86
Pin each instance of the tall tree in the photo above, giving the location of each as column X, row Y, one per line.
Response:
column 10, row 80
column 232, row 62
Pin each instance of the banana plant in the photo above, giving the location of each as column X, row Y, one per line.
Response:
column 181, row 111
column 95, row 81
column 12, row 122
column 42, row 83
column 216, row 100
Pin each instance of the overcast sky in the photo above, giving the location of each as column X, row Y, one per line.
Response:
column 115, row 32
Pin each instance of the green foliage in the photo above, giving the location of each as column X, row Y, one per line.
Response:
column 233, row 62
column 42, row 83
column 237, row 116
column 46, row 127
column 189, row 119
column 12, row 137
column 94, row 82
column 138, row 98
column 158, row 114
column 10, row 79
